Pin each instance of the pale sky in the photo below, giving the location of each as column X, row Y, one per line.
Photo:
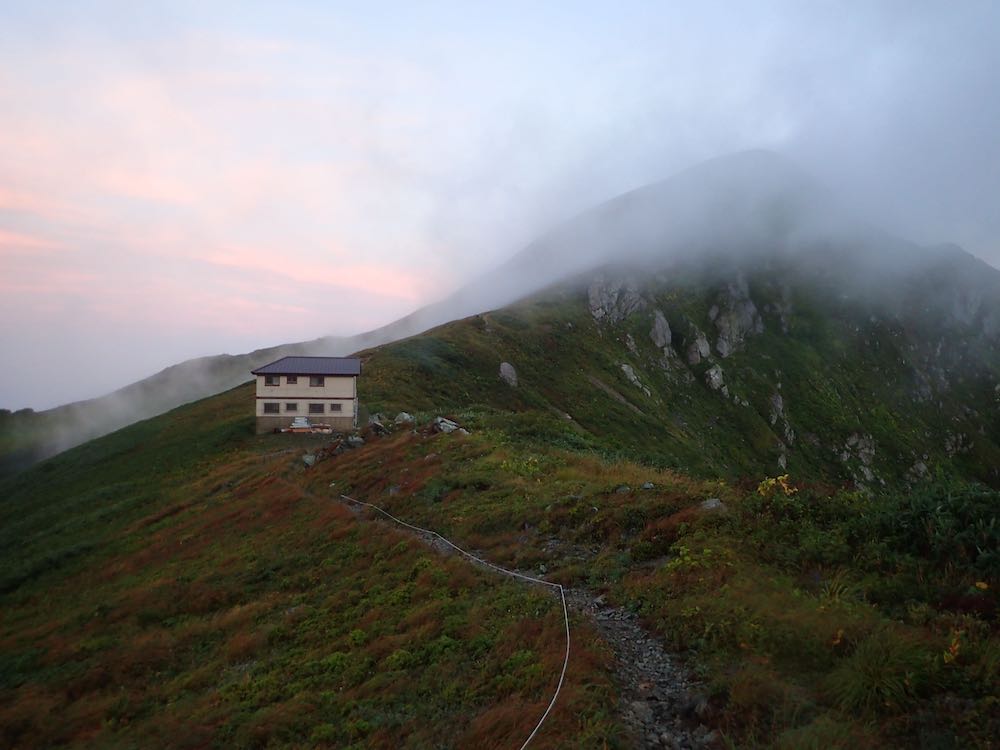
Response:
column 182, row 179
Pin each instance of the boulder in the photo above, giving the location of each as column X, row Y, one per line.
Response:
column 698, row 349
column 309, row 459
column 354, row 441
column 713, row 505
column 403, row 418
column 713, row 378
column 660, row 332
column 442, row 424
column 508, row 374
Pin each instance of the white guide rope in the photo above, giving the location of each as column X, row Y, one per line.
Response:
column 498, row 569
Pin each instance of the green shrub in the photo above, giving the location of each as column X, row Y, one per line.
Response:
column 946, row 524
column 883, row 675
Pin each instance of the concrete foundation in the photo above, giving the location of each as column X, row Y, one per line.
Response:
column 272, row 423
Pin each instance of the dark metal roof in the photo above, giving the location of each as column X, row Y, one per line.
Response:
column 311, row 366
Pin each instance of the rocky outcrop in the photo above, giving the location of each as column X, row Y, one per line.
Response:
column 714, row 379
column 778, row 418
column 697, row 348
column 612, row 301
column 735, row 317
column 660, row 333
column 508, row 374
column 445, row 425
column 631, row 345
column 957, row 443
column 858, row 455
column 634, row 379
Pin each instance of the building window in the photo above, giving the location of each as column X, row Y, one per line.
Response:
column 271, row 407
column 317, row 381
column 272, row 380
column 291, row 379
column 336, row 407
column 315, row 408
column 291, row 406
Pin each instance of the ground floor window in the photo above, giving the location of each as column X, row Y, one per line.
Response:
column 316, row 408
column 291, row 406
column 336, row 407
column 271, row 407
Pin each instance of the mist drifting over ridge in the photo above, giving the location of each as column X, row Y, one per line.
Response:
column 743, row 210
column 241, row 178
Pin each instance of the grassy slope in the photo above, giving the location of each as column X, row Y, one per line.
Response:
column 175, row 584
column 819, row 619
column 839, row 373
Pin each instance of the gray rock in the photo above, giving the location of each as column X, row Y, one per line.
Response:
column 630, row 344
column 648, row 486
column 309, row 459
column 713, row 378
column 698, row 349
column 508, row 374
column 441, row 424
column 713, row 505
column 622, row 489
column 461, row 431
column 613, row 300
column 634, row 379
column 403, row 418
column 777, row 408
column 355, row 441
column 737, row 319
column 660, row 333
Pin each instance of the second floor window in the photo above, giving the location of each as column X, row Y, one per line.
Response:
column 291, row 380
column 272, row 380
column 317, row 381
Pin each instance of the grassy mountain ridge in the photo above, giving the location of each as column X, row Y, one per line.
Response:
column 844, row 388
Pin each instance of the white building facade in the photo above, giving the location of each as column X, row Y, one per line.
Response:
column 322, row 389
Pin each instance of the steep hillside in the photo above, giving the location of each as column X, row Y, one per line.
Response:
column 726, row 369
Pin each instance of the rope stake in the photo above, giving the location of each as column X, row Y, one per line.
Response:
column 504, row 571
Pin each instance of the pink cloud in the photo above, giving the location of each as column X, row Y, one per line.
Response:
column 12, row 242
column 381, row 279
